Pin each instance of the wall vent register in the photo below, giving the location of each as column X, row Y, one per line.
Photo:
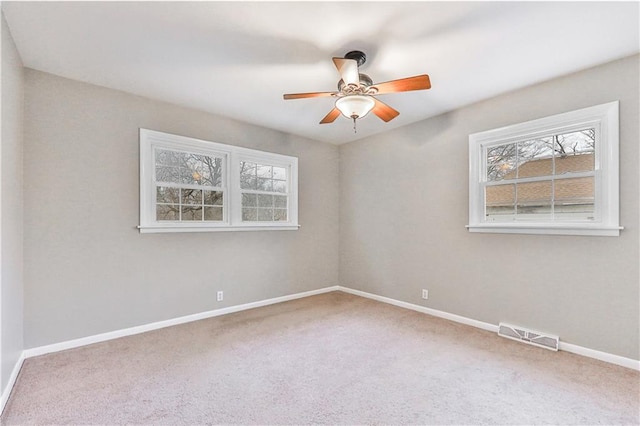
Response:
column 530, row 337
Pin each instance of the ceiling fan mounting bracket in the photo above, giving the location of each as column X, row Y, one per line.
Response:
column 357, row 56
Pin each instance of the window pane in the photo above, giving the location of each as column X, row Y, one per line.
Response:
column 210, row 171
column 265, row 215
column 191, row 196
column 162, row 157
column 167, row 157
column 189, row 176
column 213, row 213
column 279, row 173
column 167, row 174
column 500, row 202
column 247, row 168
column 167, row 212
column 197, row 175
column 279, row 186
column 248, row 182
column 191, row 213
column 575, row 151
column 248, row 175
column 533, row 199
column 535, row 158
column 575, row 163
column 249, row 200
column 249, row 214
column 167, row 195
column 574, row 198
column 193, row 161
column 264, row 171
column 265, row 184
column 574, row 189
column 213, row 198
column 576, row 143
column 280, row 201
column 187, row 168
column 501, row 161
column 265, row 200
column 279, row 215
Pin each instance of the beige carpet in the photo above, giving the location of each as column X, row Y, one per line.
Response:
column 333, row 359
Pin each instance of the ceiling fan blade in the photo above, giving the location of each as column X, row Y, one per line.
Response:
column 308, row 95
column 348, row 69
column 384, row 111
column 419, row 82
column 331, row 117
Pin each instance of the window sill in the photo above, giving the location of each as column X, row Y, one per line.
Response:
column 152, row 229
column 546, row 229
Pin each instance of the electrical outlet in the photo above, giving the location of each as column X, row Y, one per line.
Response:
column 425, row 294
column 220, row 296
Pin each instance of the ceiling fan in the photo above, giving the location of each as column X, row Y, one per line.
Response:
column 356, row 92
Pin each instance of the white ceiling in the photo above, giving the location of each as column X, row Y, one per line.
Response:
column 237, row 59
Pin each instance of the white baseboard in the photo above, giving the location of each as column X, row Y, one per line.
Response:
column 4, row 398
column 75, row 343
column 602, row 356
column 567, row 347
column 424, row 310
column 70, row 344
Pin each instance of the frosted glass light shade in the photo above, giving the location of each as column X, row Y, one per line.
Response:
column 355, row 106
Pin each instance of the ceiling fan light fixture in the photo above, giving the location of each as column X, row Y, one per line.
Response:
column 355, row 106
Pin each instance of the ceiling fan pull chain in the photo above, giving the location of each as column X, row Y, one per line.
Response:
column 354, row 124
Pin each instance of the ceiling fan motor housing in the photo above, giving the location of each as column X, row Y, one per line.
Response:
column 365, row 81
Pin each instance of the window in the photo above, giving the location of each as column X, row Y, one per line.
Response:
column 264, row 192
column 190, row 185
column 555, row 175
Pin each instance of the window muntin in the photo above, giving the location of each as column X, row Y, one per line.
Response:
column 190, row 185
column 548, row 178
column 264, row 190
column 555, row 175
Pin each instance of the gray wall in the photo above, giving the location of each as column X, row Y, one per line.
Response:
column 11, row 206
column 404, row 207
column 88, row 270
column 403, row 204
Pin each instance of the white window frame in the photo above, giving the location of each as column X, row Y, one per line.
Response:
column 604, row 118
column 232, row 208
